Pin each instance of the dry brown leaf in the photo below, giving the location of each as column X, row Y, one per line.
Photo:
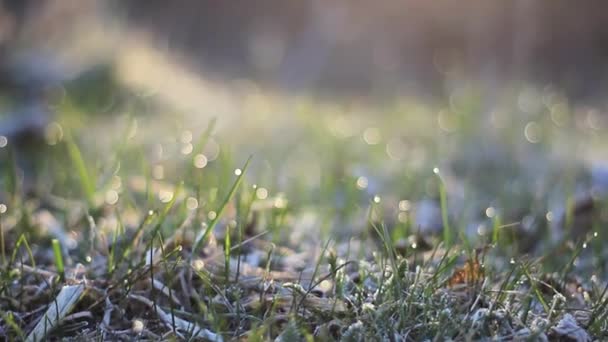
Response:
column 471, row 273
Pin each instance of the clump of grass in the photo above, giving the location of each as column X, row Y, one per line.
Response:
column 188, row 253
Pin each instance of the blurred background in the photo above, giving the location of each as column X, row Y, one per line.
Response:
column 339, row 101
column 355, row 48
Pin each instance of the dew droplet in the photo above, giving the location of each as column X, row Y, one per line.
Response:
column 111, row 197
column 187, row 149
column 191, row 203
column 261, row 193
column 532, row 132
column 372, row 136
column 362, row 183
column 405, row 205
column 200, row 161
column 490, row 212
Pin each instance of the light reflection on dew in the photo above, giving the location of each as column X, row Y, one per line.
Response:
column 402, row 217
column 3, row 208
column 372, row 136
column 532, row 132
column 405, row 205
column 3, row 141
column 211, row 215
column 261, row 193
column 436, row 170
column 362, row 183
column 594, row 234
column 200, row 161
column 584, row 245
column 280, row 202
column 377, row 199
column 187, row 149
column 238, row 172
column 111, row 197
column 490, row 212
column 191, row 203
column 325, row 285
column 198, row 264
column 549, row 216
column 165, row 196
column 512, row 261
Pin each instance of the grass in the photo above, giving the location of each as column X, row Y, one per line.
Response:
column 336, row 229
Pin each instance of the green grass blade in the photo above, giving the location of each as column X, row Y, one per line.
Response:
column 202, row 141
column 23, row 241
column 203, row 236
column 58, row 258
column 447, row 231
column 87, row 184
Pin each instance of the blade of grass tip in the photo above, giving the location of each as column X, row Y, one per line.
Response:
column 443, row 198
column 243, row 214
column 227, row 245
column 496, row 226
column 58, row 258
column 145, row 167
column 202, row 141
column 9, row 319
column 199, row 146
column 386, row 242
column 564, row 272
column 600, row 309
column 111, row 254
column 23, row 240
column 86, row 182
column 535, row 289
column 203, row 236
column 161, row 219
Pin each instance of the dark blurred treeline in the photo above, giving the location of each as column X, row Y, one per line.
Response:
column 365, row 46
column 362, row 44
